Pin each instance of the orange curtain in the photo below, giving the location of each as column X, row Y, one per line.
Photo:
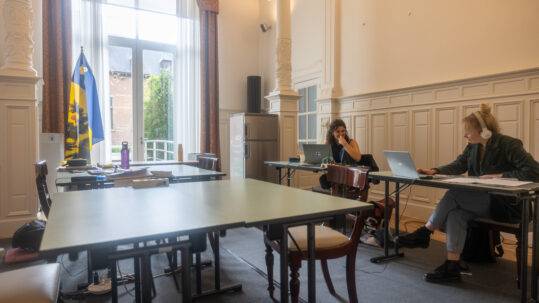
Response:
column 209, row 84
column 56, row 63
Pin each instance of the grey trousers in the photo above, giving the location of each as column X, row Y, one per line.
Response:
column 454, row 211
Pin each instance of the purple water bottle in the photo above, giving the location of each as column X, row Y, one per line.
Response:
column 125, row 155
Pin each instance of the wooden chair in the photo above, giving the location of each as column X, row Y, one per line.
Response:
column 514, row 229
column 329, row 243
column 207, row 162
column 42, row 189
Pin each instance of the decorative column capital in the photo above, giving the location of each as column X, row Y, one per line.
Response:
column 281, row 102
column 19, row 46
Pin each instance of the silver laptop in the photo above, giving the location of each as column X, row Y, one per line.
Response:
column 401, row 165
column 315, row 154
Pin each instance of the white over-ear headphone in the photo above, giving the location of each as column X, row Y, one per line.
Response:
column 485, row 132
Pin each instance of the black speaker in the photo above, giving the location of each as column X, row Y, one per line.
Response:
column 253, row 94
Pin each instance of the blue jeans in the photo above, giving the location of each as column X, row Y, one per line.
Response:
column 455, row 209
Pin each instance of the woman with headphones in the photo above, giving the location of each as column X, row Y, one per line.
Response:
column 489, row 154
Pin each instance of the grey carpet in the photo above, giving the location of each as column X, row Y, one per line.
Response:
column 243, row 260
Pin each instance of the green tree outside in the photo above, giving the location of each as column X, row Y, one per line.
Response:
column 158, row 106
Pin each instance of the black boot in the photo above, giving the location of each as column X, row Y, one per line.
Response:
column 447, row 272
column 419, row 238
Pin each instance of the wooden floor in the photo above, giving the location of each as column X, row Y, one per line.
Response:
column 408, row 224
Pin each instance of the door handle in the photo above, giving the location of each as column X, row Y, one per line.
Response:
column 246, row 150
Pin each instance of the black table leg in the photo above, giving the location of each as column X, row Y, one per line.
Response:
column 311, row 263
column 218, row 288
column 146, row 278
column 198, row 267
column 288, row 176
column 136, row 261
column 524, row 251
column 186, row 274
column 284, row 265
column 387, row 256
column 217, row 261
column 114, row 281
column 397, row 197
column 535, row 234
column 279, row 174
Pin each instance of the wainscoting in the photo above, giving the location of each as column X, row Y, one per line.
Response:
column 426, row 121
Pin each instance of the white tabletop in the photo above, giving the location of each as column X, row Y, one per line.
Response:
column 107, row 217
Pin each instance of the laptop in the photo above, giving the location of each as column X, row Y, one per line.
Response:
column 316, row 154
column 401, row 165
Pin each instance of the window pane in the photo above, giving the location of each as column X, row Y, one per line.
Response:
column 163, row 6
column 312, row 98
column 119, row 21
column 301, row 108
column 302, row 127
column 121, row 98
column 312, row 126
column 157, row 27
column 158, row 101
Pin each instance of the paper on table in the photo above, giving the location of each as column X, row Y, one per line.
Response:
column 490, row 181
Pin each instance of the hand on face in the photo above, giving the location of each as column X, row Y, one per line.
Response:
column 341, row 140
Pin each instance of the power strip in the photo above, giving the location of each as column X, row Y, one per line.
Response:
column 99, row 289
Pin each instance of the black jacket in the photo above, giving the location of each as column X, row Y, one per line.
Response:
column 503, row 154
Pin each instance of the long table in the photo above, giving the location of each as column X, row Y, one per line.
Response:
column 180, row 173
column 106, row 218
column 293, row 166
column 525, row 194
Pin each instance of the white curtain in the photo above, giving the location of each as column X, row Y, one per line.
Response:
column 88, row 32
column 187, row 70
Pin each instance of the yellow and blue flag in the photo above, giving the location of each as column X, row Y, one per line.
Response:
column 84, row 127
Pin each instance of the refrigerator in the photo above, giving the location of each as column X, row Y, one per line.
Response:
column 253, row 140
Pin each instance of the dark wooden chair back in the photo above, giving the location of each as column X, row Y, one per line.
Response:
column 341, row 177
column 42, row 190
column 211, row 163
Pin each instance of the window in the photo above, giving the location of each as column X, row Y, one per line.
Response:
column 307, row 115
column 149, row 62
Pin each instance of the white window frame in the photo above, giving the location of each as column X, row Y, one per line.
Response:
column 306, row 85
column 137, row 47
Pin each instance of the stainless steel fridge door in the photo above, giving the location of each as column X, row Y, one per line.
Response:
column 261, row 127
column 256, row 152
column 237, row 148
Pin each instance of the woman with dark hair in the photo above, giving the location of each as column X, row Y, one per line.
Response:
column 489, row 154
column 345, row 150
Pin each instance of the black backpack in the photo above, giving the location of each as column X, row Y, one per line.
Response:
column 28, row 236
column 482, row 245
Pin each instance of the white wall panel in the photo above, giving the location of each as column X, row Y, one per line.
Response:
column 446, row 136
column 379, row 135
column 399, row 131
column 509, row 115
column 360, row 133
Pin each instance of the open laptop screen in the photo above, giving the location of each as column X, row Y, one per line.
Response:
column 401, row 164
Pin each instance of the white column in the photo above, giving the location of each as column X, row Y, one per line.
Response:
column 327, row 107
column 17, row 58
column 283, row 99
column 18, row 118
